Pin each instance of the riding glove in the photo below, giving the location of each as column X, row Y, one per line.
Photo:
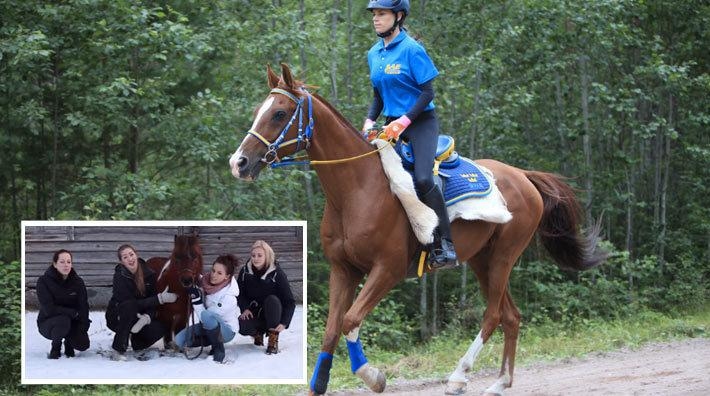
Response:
column 166, row 297
column 396, row 127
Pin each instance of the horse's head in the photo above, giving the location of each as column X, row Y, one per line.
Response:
column 187, row 258
column 282, row 125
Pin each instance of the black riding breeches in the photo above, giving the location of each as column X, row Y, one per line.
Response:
column 423, row 136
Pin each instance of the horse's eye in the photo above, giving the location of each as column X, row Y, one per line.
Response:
column 279, row 115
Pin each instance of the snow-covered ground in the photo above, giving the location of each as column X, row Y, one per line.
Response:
column 247, row 364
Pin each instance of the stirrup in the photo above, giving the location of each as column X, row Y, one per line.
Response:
column 443, row 256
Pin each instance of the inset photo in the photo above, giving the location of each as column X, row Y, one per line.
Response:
column 163, row 302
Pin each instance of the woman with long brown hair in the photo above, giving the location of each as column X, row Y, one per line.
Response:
column 131, row 310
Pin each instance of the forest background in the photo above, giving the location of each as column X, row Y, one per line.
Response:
column 129, row 110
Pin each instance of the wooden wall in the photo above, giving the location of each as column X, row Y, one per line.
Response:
column 94, row 250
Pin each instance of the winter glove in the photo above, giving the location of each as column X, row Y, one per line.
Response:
column 396, row 127
column 166, row 297
column 195, row 295
column 143, row 320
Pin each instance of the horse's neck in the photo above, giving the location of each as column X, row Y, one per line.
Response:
column 335, row 139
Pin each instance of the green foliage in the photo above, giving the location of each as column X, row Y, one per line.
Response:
column 130, row 110
column 10, row 323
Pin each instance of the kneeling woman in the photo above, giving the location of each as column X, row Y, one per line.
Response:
column 265, row 298
column 63, row 307
column 218, row 316
column 131, row 310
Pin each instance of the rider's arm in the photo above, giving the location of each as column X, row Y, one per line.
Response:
column 423, row 100
column 376, row 106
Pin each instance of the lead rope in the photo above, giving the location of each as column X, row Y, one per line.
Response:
column 191, row 329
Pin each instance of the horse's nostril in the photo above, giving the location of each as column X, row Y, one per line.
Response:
column 242, row 162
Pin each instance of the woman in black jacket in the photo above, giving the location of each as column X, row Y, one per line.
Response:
column 63, row 307
column 131, row 310
column 265, row 297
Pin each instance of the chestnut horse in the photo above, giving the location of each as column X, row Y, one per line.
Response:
column 178, row 273
column 365, row 230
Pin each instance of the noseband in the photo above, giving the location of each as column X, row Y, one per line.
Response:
column 304, row 135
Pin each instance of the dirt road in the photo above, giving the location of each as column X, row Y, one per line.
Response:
column 676, row 368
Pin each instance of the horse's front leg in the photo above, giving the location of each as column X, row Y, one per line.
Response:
column 379, row 283
column 341, row 286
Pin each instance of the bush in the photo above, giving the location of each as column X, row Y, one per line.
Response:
column 10, row 311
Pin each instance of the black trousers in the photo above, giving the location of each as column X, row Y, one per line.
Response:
column 423, row 136
column 62, row 327
column 266, row 317
column 121, row 318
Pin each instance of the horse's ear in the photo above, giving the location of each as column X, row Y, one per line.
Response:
column 272, row 78
column 287, row 76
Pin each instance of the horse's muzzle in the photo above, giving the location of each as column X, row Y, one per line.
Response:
column 187, row 281
column 243, row 167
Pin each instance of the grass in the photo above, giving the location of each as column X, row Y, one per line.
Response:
column 437, row 358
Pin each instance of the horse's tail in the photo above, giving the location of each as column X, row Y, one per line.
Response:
column 559, row 227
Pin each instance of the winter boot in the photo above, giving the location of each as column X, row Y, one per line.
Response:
column 56, row 350
column 273, row 347
column 68, row 348
column 441, row 253
column 217, row 342
column 259, row 339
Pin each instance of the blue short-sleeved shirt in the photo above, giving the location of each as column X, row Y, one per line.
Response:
column 397, row 72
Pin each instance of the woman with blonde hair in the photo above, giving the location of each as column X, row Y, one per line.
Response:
column 265, row 297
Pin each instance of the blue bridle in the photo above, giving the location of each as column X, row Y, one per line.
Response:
column 302, row 140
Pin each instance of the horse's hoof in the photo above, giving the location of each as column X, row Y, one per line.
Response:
column 372, row 377
column 455, row 388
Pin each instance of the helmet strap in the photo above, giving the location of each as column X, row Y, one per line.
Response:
column 392, row 29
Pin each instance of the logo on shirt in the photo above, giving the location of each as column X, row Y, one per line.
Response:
column 393, row 68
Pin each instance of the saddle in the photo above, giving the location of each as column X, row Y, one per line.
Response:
column 459, row 178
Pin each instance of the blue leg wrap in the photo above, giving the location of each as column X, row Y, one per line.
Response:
column 321, row 373
column 357, row 356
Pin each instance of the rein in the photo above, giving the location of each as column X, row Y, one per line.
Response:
column 272, row 159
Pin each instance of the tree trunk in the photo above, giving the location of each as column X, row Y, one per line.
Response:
column 586, row 139
column 561, row 126
column 664, row 183
column 334, row 53
column 435, row 304
column 423, row 309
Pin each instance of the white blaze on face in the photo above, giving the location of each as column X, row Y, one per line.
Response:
column 237, row 154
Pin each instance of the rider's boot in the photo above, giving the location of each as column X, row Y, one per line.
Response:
column 442, row 253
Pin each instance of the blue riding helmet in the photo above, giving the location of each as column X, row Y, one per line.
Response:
column 394, row 5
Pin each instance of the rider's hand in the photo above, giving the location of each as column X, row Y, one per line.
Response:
column 396, row 127
column 367, row 129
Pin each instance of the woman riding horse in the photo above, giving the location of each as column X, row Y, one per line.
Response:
column 365, row 229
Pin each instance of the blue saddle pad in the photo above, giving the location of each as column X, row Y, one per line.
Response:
column 464, row 181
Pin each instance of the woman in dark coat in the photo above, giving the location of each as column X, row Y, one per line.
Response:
column 265, row 298
column 63, row 307
column 131, row 310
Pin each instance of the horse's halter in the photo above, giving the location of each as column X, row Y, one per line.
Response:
column 304, row 136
